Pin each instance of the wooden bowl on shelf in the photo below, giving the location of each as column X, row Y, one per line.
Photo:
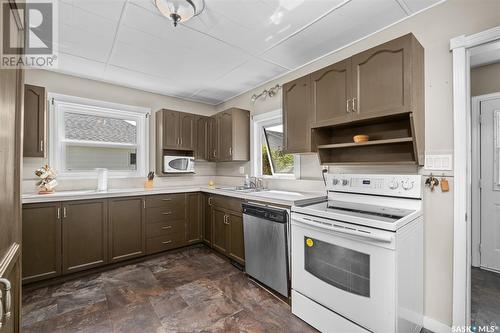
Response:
column 360, row 138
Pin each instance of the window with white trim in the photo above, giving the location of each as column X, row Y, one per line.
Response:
column 270, row 159
column 88, row 134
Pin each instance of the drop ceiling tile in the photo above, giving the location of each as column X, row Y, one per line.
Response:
column 257, row 25
column 78, row 42
column 348, row 23
column 416, row 5
column 109, row 9
column 80, row 66
column 82, row 19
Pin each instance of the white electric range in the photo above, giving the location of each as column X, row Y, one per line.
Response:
column 357, row 259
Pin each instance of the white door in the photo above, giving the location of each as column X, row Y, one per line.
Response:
column 490, row 181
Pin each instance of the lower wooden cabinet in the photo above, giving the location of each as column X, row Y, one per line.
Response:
column 236, row 247
column 194, row 217
column 227, row 227
column 41, row 241
column 207, row 220
column 64, row 237
column 127, row 228
column 84, row 235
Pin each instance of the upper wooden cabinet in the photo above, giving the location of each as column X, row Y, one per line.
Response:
column 187, row 131
column 35, row 106
column 297, row 115
column 201, row 146
column 379, row 92
column 233, row 135
column 178, row 130
column 331, row 92
column 212, row 139
column 388, row 78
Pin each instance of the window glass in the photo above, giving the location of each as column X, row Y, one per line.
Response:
column 274, row 160
column 79, row 158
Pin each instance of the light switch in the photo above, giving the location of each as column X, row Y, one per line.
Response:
column 242, row 170
column 438, row 162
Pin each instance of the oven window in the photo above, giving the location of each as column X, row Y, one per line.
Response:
column 338, row 266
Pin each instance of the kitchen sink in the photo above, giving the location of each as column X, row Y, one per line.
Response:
column 241, row 189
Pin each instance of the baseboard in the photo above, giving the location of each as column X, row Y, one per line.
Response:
column 436, row 326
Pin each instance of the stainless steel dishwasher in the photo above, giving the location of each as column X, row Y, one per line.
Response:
column 266, row 231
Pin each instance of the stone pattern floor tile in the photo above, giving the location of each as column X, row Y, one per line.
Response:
column 193, row 290
column 485, row 294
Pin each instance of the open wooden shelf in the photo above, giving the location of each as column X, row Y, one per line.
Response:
column 392, row 141
column 366, row 143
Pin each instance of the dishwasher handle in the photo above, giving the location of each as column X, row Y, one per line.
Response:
column 267, row 213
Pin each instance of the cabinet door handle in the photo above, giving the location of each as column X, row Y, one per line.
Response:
column 347, row 105
column 210, row 201
column 7, row 303
column 166, row 199
column 166, row 242
column 230, row 151
column 144, row 203
column 166, row 227
column 41, row 145
column 58, row 213
column 354, row 105
column 65, row 212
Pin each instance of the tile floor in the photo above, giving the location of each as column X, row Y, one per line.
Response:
column 187, row 291
column 485, row 293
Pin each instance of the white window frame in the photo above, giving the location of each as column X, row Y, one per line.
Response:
column 259, row 121
column 59, row 104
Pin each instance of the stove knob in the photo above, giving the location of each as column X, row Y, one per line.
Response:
column 393, row 185
column 345, row 182
column 407, row 185
column 335, row 181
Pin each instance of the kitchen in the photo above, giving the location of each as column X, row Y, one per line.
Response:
column 192, row 247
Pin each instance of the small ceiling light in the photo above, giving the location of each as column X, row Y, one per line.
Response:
column 180, row 10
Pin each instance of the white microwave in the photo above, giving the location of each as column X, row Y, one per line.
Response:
column 178, row 164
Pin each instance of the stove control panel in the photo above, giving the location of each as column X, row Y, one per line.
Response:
column 406, row 186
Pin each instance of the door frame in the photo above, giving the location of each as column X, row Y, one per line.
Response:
column 476, row 175
column 461, row 49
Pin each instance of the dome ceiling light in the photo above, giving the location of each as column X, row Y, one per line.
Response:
column 180, row 10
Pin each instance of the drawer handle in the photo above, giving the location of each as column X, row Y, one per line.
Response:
column 166, row 199
column 166, row 242
column 167, row 227
column 167, row 213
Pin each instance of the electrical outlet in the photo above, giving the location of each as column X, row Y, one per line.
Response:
column 242, row 170
column 438, row 162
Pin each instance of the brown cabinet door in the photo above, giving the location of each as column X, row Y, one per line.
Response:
column 41, row 241
column 331, row 93
column 220, row 230
column 236, row 248
column 127, row 228
column 297, row 115
column 35, row 104
column 382, row 79
column 187, row 131
column 225, row 136
column 207, row 220
column 212, row 139
column 194, row 218
column 171, row 129
column 200, row 151
column 84, row 235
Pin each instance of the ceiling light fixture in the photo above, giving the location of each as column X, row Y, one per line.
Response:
column 271, row 92
column 180, row 10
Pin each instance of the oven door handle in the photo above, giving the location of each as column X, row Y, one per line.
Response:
column 352, row 232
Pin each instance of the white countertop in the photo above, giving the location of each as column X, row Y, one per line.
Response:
column 271, row 196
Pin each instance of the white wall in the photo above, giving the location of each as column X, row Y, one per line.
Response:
column 485, row 79
column 74, row 86
column 433, row 28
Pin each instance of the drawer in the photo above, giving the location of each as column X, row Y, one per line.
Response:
column 165, row 228
column 163, row 214
column 165, row 242
column 233, row 204
column 166, row 200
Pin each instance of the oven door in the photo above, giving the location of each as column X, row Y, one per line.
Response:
column 349, row 270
